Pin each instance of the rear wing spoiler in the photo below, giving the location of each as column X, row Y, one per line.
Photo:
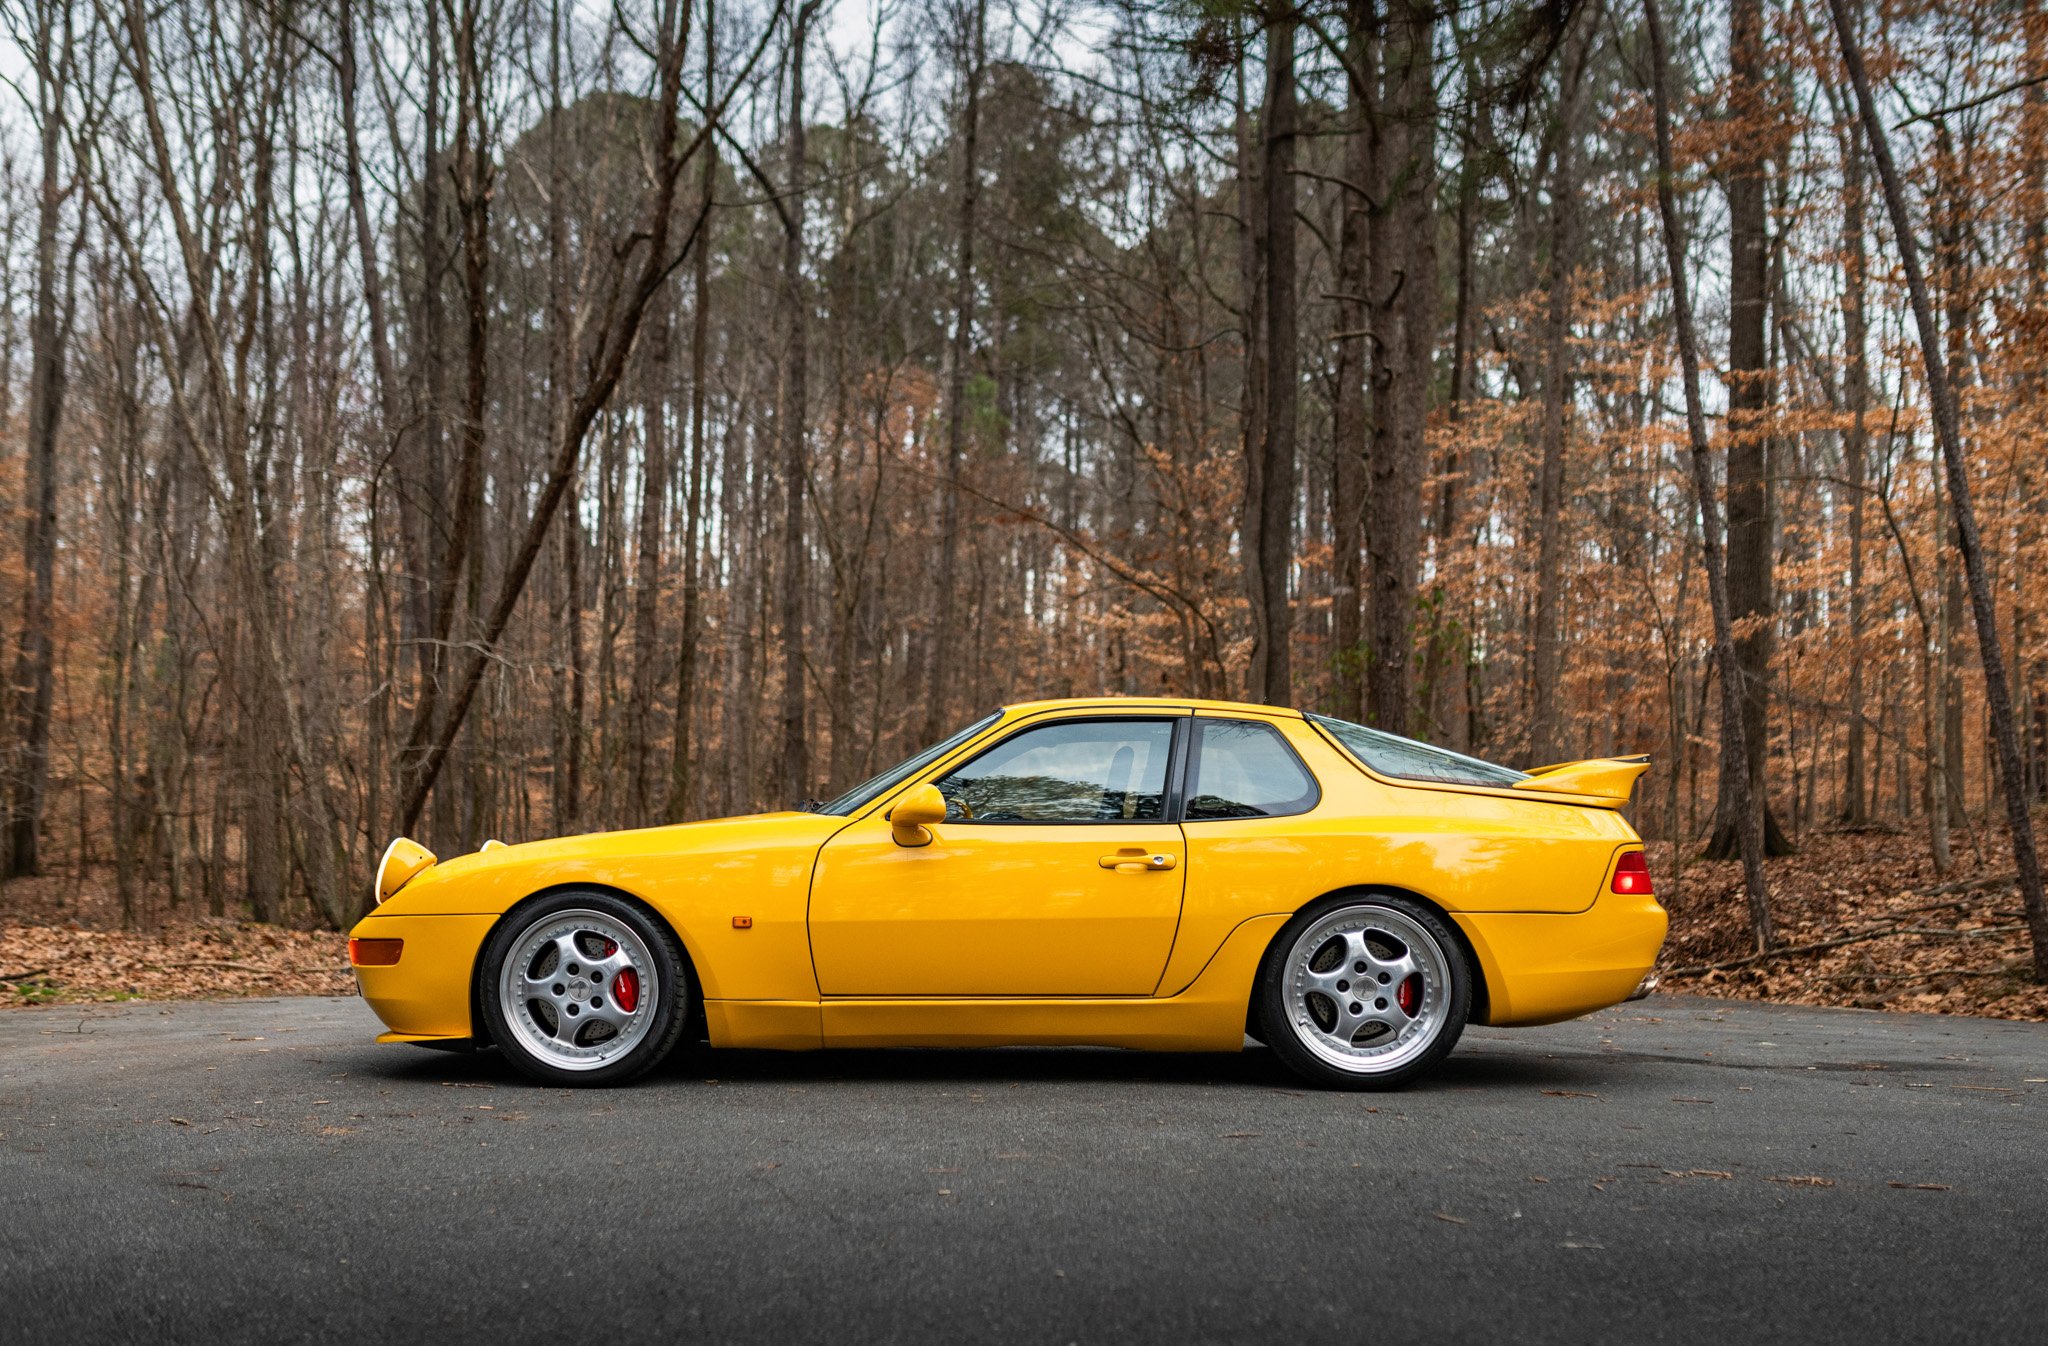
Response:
column 1606, row 780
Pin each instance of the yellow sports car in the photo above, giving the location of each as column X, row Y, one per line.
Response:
column 1165, row 874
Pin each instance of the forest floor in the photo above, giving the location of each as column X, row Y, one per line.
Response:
column 61, row 940
column 1896, row 935
column 1908, row 940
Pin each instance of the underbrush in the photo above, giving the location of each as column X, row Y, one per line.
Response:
column 61, row 941
column 1894, row 935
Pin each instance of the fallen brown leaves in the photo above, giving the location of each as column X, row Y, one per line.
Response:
column 44, row 964
column 1895, row 936
column 1864, row 922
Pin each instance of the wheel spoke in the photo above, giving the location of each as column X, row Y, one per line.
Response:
column 1327, row 982
column 1348, row 1020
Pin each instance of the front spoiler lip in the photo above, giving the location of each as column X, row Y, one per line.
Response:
column 458, row 1044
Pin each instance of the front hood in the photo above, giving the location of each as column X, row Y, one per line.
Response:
column 668, row 839
column 491, row 878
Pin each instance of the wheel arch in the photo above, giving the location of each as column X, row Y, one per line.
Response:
column 695, row 1023
column 1482, row 999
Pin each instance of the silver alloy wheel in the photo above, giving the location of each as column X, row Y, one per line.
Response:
column 578, row 989
column 1368, row 989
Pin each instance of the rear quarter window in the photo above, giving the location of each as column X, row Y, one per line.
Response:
column 1392, row 755
column 1245, row 769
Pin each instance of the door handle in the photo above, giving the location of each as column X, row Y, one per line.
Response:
column 1137, row 862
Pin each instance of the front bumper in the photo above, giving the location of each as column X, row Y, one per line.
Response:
column 425, row 995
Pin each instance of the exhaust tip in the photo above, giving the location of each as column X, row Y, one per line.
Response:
column 1645, row 986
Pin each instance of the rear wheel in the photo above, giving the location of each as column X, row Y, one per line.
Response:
column 1363, row 991
column 583, row 988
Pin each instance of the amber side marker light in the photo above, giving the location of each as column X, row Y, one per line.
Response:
column 1632, row 874
column 374, row 952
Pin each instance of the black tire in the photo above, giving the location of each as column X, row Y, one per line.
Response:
column 668, row 1002
column 1311, row 1050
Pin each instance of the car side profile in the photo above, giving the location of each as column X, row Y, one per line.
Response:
column 1166, row 874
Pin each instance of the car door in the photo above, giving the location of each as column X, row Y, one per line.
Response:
column 1055, row 873
column 1247, row 850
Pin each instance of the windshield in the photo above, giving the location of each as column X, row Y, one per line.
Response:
column 1392, row 755
column 875, row 785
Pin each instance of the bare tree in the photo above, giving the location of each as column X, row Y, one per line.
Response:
column 1997, row 695
column 1557, row 381
column 1749, row 820
column 939, row 696
column 1751, row 530
column 1270, row 509
column 643, row 266
column 45, row 29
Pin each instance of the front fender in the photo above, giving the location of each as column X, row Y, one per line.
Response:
column 736, row 892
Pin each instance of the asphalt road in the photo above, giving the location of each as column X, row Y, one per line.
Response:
column 1678, row 1170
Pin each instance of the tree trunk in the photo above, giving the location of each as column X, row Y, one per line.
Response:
column 1351, row 432
column 1952, row 269
column 1750, row 523
column 1268, row 505
column 1404, row 297
column 430, row 358
column 1749, row 818
column 790, row 425
column 940, row 695
column 1855, row 453
column 34, row 649
column 1452, row 669
column 565, row 799
column 1272, row 674
column 1546, row 700
column 647, row 575
column 679, row 776
column 1252, row 407
column 1997, row 694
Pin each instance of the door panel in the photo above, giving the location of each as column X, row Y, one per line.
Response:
column 997, row 910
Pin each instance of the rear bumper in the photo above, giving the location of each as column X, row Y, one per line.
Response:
column 425, row 995
column 1541, row 968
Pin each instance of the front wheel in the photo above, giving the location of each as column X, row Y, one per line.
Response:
column 1363, row 991
column 583, row 988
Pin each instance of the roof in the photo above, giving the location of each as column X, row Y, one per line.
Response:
column 1144, row 703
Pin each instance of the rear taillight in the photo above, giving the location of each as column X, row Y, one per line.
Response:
column 1632, row 874
column 374, row 952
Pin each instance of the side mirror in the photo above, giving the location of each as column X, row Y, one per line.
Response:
column 910, row 821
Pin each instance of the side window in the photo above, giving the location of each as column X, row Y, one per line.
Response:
column 1244, row 769
column 1075, row 771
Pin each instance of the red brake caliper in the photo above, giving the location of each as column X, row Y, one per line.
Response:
column 626, row 990
column 1410, row 994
